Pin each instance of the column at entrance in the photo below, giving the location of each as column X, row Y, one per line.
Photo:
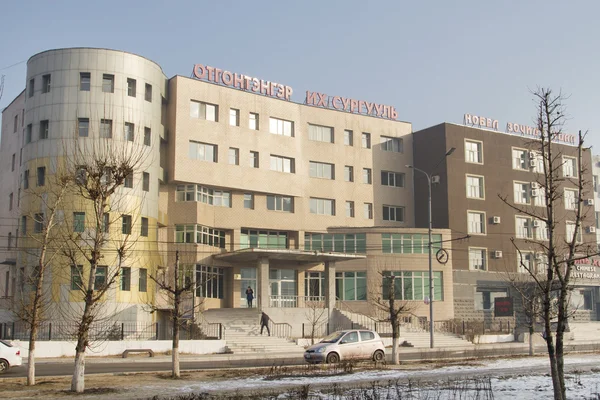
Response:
column 330, row 292
column 263, row 282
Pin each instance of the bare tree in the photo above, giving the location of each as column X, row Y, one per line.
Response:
column 316, row 314
column 550, row 280
column 49, row 193
column 389, row 308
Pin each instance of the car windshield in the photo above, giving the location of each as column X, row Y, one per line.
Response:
column 334, row 337
column 5, row 343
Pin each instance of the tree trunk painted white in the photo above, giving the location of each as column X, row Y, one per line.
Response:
column 175, row 357
column 531, row 346
column 31, row 365
column 78, row 381
column 395, row 351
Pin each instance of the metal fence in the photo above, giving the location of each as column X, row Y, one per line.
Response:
column 111, row 331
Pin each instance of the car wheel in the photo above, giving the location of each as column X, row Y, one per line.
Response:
column 333, row 358
column 3, row 366
column 378, row 356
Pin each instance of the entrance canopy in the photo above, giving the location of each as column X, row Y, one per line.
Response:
column 256, row 254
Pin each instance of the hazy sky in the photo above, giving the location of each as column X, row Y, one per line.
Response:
column 432, row 60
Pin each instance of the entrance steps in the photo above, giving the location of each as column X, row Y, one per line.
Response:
column 241, row 332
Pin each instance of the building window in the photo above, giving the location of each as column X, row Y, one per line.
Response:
column 100, row 277
column 412, row 285
column 524, row 227
column 200, row 234
column 126, row 279
column 234, row 117
column 570, row 199
column 131, row 87
column 399, row 243
column 350, row 209
column 336, row 242
column 253, row 121
column 348, row 138
column 366, row 140
column 128, row 181
column 348, row 173
column 476, row 222
column 541, row 230
column 143, row 280
column 367, row 176
column 106, row 128
column 85, row 80
column 525, row 262
column 253, row 160
column 126, row 224
column 368, row 210
column 129, row 131
column 24, row 225
column 147, row 136
column 280, row 203
column 321, row 170
column 521, row 190
column 320, row 133
column 250, row 239
column 597, row 220
column 282, row 164
column 206, row 111
column 83, row 127
column 16, row 123
column 351, row 286
column 595, row 182
column 148, row 93
column 31, row 87
column 146, row 181
column 249, row 201
column 26, row 179
column 314, row 284
column 46, row 83
column 144, row 228
column 78, row 222
column 234, row 156
column 395, row 145
column 473, row 152
column 210, row 282
column 44, row 128
column 14, row 157
column 570, row 228
column 38, row 223
column 477, row 258
column 394, row 179
column 10, row 204
column 28, row 132
column 393, row 213
column 569, row 167
column 475, row 187
column 520, row 159
column 322, row 206
column 41, row 176
column 203, row 151
column 105, row 222
column 485, row 298
column 281, row 127
column 76, row 277
column 108, row 83
column 203, row 195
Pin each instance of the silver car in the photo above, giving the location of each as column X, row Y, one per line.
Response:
column 345, row 345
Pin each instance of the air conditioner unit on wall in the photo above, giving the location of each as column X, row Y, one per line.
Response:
column 536, row 223
column 589, row 202
column 532, row 155
column 535, row 185
column 591, row 229
column 435, row 179
column 497, row 254
column 496, row 220
column 535, row 193
column 532, row 163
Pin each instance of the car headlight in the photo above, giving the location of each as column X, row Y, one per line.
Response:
column 321, row 349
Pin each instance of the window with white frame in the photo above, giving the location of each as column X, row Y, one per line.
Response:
column 475, row 188
column 249, row 201
column 320, row 133
column 83, row 127
column 280, row 203
column 367, row 178
column 322, row 206
column 366, row 140
column 523, row 227
column 541, row 229
column 473, row 152
column 526, row 262
column 234, row 117
column 391, row 144
column 538, row 195
column 253, row 159
column 203, row 151
column 44, row 128
column 253, row 121
column 131, row 87
column 210, row 281
column 200, row 234
column 202, row 110
column 476, row 222
column 108, row 83
column 85, row 81
column 477, row 258
column 350, row 209
column 348, row 173
column 282, row 164
column 234, row 156
column 46, row 83
column 321, row 170
column 129, row 131
column 520, row 159
column 393, row 213
column 106, row 128
column 368, row 210
column 348, row 137
column 281, row 127
column 394, row 179
column 570, row 199
column 569, row 167
column 521, row 190
column 570, row 228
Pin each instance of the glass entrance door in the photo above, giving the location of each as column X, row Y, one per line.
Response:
column 248, row 278
column 283, row 288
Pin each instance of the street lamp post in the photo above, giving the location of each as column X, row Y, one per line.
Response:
column 429, row 244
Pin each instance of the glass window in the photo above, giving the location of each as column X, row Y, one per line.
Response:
column 200, row 234
column 41, row 176
column 475, row 187
column 322, row 206
column 350, row 209
column 234, row 117
column 569, row 167
column 393, row 213
column 44, row 129
column 250, row 238
column 148, row 94
column 131, row 87
column 143, row 280
column 106, row 128
column 394, row 179
column 477, row 258
column 126, row 224
column 253, row 121
column 100, row 278
column 26, row 179
column 520, row 159
column 209, row 281
column 321, row 170
column 31, row 87
column 76, row 277
column 336, row 242
column 367, row 176
column 147, row 136
column 38, row 223
column 126, row 279
column 412, row 285
column 78, row 221
column 409, row 243
column 392, row 144
column 570, row 199
column 368, row 210
column 351, row 286
column 203, row 151
column 83, row 127
column 108, row 83
column 253, row 160
column 249, row 201
column 320, row 133
column 348, row 173
column 144, row 228
column 282, row 164
column 146, row 181
column 129, row 131
column 541, row 230
column 521, row 190
column 476, row 222
column 206, row 111
column 85, row 79
column 280, row 203
column 473, row 152
column 46, row 83
column 234, row 156
column 128, row 181
column 348, row 138
column 570, row 228
column 28, row 133
column 524, row 227
column 281, row 127
column 366, row 140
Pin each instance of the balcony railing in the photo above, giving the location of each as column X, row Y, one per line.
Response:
column 292, row 301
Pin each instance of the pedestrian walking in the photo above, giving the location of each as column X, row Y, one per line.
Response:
column 249, row 296
column 264, row 323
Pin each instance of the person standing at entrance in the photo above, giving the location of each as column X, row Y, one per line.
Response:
column 249, row 296
column 264, row 323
